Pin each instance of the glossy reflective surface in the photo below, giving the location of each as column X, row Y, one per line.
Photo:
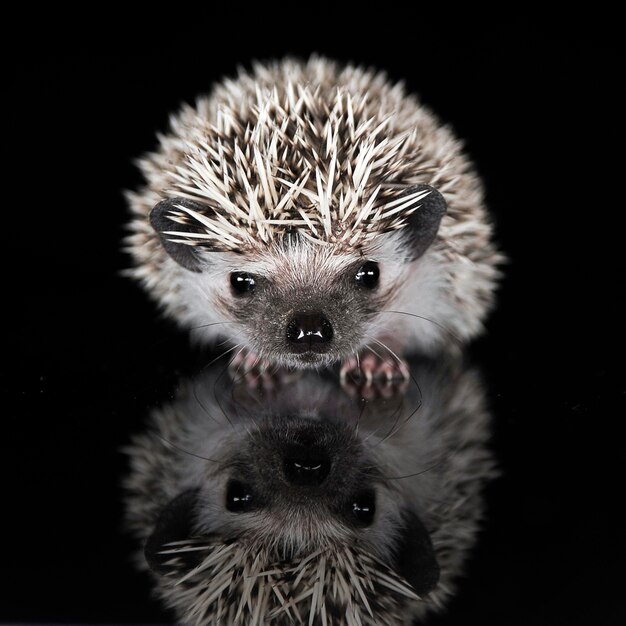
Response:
column 321, row 484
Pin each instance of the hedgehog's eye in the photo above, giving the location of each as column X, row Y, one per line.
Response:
column 364, row 507
column 238, row 497
column 368, row 274
column 242, row 282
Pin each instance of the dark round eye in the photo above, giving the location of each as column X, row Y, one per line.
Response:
column 368, row 274
column 238, row 497
column 364, row 507
column 242, row 283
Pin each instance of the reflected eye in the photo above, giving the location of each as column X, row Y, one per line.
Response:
column 364, row 507
column 239, row 497
column 368, row 274
column 242, row 283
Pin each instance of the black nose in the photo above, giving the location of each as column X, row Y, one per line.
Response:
column 307, row 330
column 305, row 467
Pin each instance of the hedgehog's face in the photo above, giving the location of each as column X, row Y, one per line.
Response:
column 302, row 306
column 294, row 487
column 292, row 301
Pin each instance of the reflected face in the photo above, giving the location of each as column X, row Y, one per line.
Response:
column 310, row 485
column 298, row 485
column 302, row 499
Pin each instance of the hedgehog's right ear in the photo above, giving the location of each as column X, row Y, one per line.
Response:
column 185, row 254
column 415, row 555
column 175, row 523
column 423, row 223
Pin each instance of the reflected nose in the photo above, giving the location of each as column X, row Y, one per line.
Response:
column 305, row 329
column 305, row 467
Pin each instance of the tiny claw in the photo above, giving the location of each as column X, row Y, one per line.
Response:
column 373, row 367
column 257, row 373
column 372, row 375
column 349, row 366
column 247, row 366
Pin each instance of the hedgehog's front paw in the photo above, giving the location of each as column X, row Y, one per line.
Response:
column 248, row 367
column 369, row 369
column 371, row 376
column 257, row 373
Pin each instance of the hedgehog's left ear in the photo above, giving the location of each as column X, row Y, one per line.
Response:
column 175, row 523
column 415, row 555
column 181, row 250
column 423, row 223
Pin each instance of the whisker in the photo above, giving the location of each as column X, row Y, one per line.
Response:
column 213, row 324
column 236, row 372
column 194, row 329
column 223, row 354
column 222, row 343
column 396, row 413
column 393, row 432
column 369, row 347
column 428, row 469
column 195, row 387
column 217, row 380
column 364, row 401
column 380, row 343
column 427, row 319
column 239, row 374
column 258, row 358
column 249, row 414
column 173, row 445
column 358, row 420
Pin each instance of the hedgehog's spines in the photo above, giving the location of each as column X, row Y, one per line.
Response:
column 255, row 177
column 343, row 586
column 325, row 151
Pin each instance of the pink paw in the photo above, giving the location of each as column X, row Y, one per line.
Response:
column 371, row 375
column 257, row 373
column 247, row 367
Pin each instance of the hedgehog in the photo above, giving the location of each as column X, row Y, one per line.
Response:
column 310, row 507
column 312, row 213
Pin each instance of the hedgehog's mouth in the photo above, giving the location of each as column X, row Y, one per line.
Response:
column 309, row 359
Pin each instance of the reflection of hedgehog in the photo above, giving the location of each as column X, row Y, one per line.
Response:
column 296, row 214
column 274, row 512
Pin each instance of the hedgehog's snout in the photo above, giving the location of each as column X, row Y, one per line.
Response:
column 309, row 332
column 304, row 466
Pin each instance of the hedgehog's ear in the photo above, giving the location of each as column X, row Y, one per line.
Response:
column 415, row 555
column 175, row 523
column 161, row 220
column 423, row 223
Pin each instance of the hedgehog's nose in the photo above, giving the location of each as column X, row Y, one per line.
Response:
column 308, row 331
column 304, row 467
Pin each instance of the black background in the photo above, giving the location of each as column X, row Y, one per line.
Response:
column 88, row 355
